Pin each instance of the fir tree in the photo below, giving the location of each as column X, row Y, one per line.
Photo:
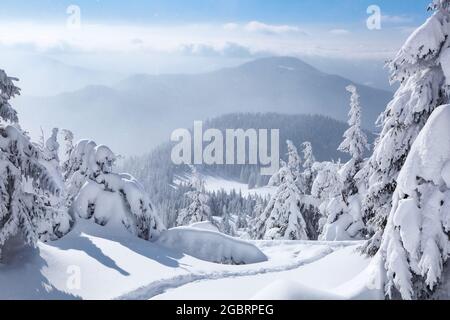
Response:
column 342, row 212
column 416, row 242
column 308, row 174
column 108, row 197
column 23, row 211
column 198, row 209
column 418, row 69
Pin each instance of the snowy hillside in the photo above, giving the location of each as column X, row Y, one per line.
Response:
column 321, row 210
column 216, row 184
column 114, row 265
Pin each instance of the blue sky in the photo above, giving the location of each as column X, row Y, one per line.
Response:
column 199, row 11
column 158, row 36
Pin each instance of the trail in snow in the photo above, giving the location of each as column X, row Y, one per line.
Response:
column 158, row 287
column 319, row 279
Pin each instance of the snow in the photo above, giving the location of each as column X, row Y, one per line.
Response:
column 205, row 225
column 292, row 290
column 430, row 153
column 217, row 184
column 286, row 68
column 113, row 264
column 425, row 42
column 211, row 246
column 311, row 269
column 415, row 245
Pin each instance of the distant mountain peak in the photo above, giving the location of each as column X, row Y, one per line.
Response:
column 284, row 63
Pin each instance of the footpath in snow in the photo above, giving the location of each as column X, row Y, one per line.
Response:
column 94, row 262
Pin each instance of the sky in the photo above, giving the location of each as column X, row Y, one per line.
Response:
column 185, row 36
column 58, row 46
column 346, row 12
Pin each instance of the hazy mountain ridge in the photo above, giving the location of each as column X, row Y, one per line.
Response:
column 154, row 105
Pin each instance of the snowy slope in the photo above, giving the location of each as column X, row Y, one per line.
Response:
column 312, row 280
column 215, row 184
column 112, row 264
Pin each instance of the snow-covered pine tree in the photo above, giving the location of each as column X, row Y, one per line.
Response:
column 293, row 164
column 283, row 218
column 355, row 144
column 294, row 160
column 77, row 168
column 259, row 207
column 327, row 186
column 108, row 197
column 284, row 211
column 343, row 216
column 416, row 242
column 417, row 67
column 23, row 178
column 308, row 175
column 198, row 209
column 241, row 222
column 8, row 90
column 225, row 226
column 68, row 137
column 59, row 222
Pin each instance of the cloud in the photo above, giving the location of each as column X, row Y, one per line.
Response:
column 339, row 31
column 229, row 50
column 231, row 40
column 259, row 27
column 231, row 26
column 396, row 19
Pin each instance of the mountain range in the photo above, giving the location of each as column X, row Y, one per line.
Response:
column 141, row 111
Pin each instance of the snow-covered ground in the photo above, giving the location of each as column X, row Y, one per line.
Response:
column 94, row 262
column 215, row 184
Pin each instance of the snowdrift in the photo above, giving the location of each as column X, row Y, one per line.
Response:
column 291, row 290
column 211, row 246
column 205, row 225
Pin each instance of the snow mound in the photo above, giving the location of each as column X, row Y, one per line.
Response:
column 211, row 246
column 291, row 290
column 205, row 225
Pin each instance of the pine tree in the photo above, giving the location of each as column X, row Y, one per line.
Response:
column 416, row 242
column 283, row 218
column 105, row 196
column 342, row 214
column 355, row 142
column 59, row 222
column 294, row 161
column 241, row 222
column 418, row 69
column 198, row 209
column 284, row 211
column 22, row 211
column 225, row 226
column 68, row 137
column 308, row 174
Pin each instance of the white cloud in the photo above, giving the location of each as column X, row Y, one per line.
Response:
column 339, row 31
column 229, row 50
column 231, row 26
column 256, row 26
column 396, row 19
column 223, row 41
